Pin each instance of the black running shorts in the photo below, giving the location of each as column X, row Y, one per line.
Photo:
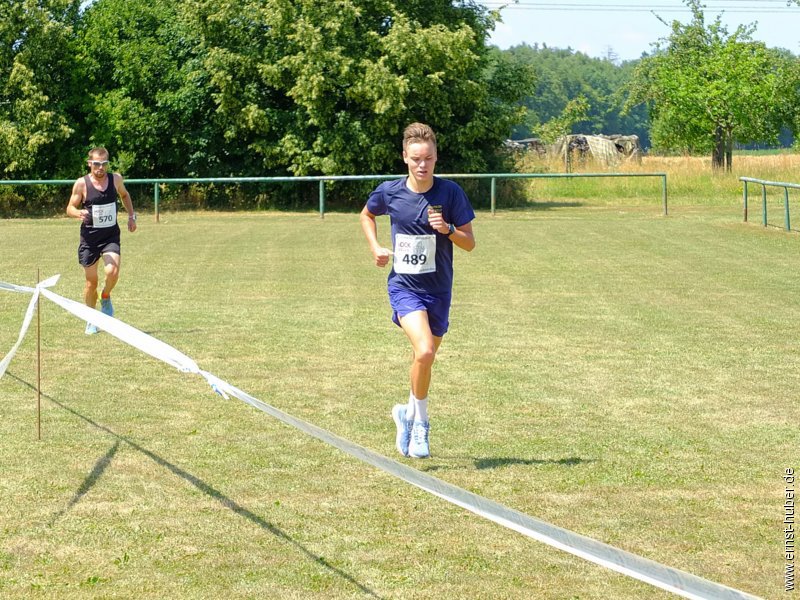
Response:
column 88, row 254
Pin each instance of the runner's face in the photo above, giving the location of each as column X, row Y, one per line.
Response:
column 98, row 164
column 421, row 160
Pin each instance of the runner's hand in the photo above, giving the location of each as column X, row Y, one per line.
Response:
column 436, row 221
column 381, row 256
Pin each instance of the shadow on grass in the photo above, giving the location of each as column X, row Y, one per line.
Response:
column 535, row 205
column 494, row 463
column 196, row 482
column 157, row 332
column 88, row 483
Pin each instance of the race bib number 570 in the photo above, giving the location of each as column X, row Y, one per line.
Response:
column 104, row 215
column 414, row 254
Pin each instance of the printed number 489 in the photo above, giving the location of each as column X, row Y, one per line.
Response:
column 415, row 259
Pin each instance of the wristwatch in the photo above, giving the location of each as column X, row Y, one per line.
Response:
column 133, row 216
column 451, row 229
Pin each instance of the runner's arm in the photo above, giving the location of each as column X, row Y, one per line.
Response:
column 463, row 237
column 370, row 228
column 74, row 209
column 122, row 192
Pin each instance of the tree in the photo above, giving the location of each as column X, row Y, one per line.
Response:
column 706, row 89
column 146, row 91
column 36, row 67
column 575, row 111
column 326, row 87
column 252, row 87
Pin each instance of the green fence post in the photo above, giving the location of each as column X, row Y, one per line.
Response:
column 494, row 193
column 744, row 198
column 321, row 198
column 664, row 193
column 764, row 204
column 156, row 192
column 786, row 208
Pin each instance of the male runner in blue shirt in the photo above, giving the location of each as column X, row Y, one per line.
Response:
column 428, row 216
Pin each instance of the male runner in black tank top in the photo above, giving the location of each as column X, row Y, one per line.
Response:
column 94, row 202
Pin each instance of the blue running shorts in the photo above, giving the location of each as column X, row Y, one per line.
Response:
column 405, row 301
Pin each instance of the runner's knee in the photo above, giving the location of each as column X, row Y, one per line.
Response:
column 425, row 354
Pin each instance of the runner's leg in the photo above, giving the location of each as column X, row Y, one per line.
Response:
column 90, row 289
column 112, row 262
column 424, row 346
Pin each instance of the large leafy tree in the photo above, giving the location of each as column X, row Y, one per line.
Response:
column 146, row 89
column 326, row 87
column 707, row 88
column 36, row 83
column 253, row 87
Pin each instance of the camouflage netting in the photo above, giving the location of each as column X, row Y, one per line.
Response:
column 603, row 150
column 608, row 150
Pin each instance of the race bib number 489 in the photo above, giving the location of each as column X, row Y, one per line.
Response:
column 414, row 254
column 104, row 215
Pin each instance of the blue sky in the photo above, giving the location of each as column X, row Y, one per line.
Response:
column 627, row 28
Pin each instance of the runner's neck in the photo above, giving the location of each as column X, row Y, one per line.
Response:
column 98, row 183
column 419, row 186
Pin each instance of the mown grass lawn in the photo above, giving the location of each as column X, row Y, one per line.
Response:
column 630, row 377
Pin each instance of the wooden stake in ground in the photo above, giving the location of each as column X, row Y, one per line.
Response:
column 38, row 365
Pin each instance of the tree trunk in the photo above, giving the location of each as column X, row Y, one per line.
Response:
column 718, row 154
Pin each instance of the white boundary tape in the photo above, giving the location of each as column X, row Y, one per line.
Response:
column 663, row 577
column 28, row 314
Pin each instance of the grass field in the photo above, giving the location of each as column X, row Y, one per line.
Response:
column 630, row 377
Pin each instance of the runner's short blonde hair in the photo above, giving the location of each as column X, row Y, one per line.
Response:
column 418, row 132
column 98, row 151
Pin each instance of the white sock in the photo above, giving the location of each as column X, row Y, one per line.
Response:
column 421, row 409
column 410, row 407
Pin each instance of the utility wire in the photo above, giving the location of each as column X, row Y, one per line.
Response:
column 596, row 7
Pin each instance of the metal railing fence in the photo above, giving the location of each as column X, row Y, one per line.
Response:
column 764, row 184
column 321, row 179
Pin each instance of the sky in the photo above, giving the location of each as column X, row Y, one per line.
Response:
column 624, row 29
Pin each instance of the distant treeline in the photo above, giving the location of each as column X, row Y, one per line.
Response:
column 563, row 75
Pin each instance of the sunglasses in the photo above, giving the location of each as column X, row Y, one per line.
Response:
column 98, row 163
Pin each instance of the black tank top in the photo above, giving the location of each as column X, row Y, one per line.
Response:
column 102, row 207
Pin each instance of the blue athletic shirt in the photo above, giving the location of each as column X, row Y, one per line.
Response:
column 408, row 214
